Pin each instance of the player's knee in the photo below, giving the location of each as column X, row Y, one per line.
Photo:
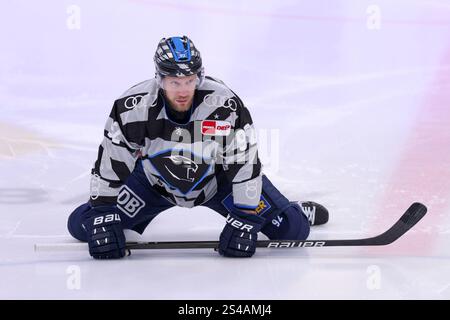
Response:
column 74, row 223
column 291, row 224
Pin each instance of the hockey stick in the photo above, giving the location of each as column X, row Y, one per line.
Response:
column 413, row 215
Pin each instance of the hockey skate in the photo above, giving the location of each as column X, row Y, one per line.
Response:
column 316, row 213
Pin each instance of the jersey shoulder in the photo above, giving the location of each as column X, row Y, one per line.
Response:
column 221, row 93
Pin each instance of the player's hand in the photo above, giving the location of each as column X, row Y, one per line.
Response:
column 239, row 236
column 106, row 239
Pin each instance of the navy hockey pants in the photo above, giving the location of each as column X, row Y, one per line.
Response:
column 138, row 203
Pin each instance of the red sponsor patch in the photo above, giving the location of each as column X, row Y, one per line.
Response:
column 216, row 128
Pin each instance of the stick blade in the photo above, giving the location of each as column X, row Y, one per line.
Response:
column 413, row 215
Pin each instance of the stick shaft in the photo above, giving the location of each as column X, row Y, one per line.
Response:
column 414, row 213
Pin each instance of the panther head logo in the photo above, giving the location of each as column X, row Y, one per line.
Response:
column 189, row 166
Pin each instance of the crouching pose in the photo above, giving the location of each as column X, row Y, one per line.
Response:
column 184, row 139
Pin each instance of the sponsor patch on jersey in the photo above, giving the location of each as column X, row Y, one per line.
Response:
column 216, row 128
column 263, row 204
column 129, row 202
column 132, row 101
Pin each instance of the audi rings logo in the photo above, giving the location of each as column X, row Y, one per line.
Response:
column 134, row 101
column 217, row 101
column 231, row 104
column 212, row 100
column 251, row 189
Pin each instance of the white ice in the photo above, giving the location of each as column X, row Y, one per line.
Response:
column 354, row 99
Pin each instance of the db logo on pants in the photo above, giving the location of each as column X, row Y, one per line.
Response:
column 129, row 202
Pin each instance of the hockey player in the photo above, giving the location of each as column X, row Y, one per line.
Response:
column 184, row 139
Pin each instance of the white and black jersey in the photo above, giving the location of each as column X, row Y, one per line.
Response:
column 180, row 160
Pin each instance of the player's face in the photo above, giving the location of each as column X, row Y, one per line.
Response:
column 180, row 91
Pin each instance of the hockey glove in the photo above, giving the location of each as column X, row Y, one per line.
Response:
column 105, row 235
column 239, row 236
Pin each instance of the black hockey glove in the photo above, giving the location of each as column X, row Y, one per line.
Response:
column 105, row 235
column 239, row 236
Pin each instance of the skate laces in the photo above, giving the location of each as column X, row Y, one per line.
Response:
column 309, row 210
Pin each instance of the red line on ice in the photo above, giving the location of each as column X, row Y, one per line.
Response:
column 422, row 172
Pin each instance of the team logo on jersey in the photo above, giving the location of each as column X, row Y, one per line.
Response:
column 216, row 128
column 179, row 170
column 262, row 207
